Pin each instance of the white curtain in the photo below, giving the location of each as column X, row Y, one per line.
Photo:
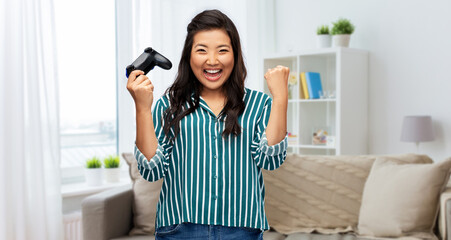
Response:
column 30, row 195
column 161, row 24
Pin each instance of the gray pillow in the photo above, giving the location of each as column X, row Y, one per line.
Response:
column 145, row 199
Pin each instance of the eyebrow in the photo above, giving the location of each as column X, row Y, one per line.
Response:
column 203, row 45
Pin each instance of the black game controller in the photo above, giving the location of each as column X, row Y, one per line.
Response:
column 147, row 61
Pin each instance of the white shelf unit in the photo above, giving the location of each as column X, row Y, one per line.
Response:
column 344, row 71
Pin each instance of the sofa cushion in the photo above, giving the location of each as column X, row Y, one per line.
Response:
column 402, row 200
column 320, row 193
column 136, row 237
column 316, row 236
column 145, row 199
column 273, row 235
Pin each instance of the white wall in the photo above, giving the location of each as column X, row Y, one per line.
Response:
column 410, row 61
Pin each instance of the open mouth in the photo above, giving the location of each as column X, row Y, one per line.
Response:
column 212, row 74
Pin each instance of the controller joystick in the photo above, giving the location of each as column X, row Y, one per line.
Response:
column 147, row 61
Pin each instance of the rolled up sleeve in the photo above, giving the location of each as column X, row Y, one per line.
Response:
column 267, row 157
column 155, row 168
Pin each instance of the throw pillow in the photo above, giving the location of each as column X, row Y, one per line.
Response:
column 402, row 200
column 320, row 193
column 145, row 199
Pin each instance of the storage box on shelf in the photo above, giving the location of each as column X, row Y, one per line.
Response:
column 343, row 109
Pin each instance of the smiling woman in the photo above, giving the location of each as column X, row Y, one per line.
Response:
column 210, row 130
column 212, row 60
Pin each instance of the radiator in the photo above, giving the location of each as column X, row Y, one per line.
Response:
column 73, row 226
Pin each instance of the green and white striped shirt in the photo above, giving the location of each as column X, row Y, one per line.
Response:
column 209, row 179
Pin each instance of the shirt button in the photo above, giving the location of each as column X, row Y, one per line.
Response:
column 215, row 197
column 215, row 176
column 215, row 157
column 214, row 137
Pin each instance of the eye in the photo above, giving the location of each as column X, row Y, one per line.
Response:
column 224, row 50
column 200, row 50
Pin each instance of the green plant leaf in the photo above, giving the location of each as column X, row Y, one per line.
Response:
column 342, row 26
column 322, row 30
column 111, row 161
column 93, row 162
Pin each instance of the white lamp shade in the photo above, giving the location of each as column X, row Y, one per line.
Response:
column 417, row 129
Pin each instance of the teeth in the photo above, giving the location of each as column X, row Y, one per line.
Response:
column 213, row 71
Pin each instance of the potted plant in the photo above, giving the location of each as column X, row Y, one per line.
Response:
column 341, row 31
column 324, row 40
column 112, row 170
column 93, row 171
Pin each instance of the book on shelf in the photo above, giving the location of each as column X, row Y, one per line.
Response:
column 303, row 87
column 314, row 86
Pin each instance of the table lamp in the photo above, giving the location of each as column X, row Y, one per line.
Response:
column 417, row 129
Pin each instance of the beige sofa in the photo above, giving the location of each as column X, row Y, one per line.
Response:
column 309, row 197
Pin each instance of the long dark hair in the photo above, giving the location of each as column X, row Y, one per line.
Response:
column 186, row 83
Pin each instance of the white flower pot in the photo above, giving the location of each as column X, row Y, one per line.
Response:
column 112, row 175
column 93, row 176
column 324, row 41
column 341, row 40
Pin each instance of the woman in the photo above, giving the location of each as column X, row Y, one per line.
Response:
column 209, row 137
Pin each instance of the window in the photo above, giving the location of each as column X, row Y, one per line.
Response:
column 85, row 36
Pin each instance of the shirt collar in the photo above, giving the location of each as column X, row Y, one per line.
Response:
column 204, row 104
column 245, row 92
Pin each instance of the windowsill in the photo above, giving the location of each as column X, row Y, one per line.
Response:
column 80, row 189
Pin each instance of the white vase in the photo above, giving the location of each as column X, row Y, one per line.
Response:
column 341, row 40
column 93, row 176
column 324, row 41
column 112, row 175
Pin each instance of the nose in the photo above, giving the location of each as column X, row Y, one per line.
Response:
column 212, row 59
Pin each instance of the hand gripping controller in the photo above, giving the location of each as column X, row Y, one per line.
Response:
column 147, row 61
